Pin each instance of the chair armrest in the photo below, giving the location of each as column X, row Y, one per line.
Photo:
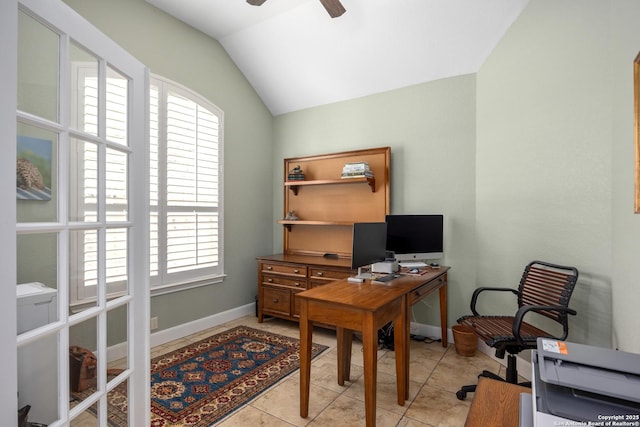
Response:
column 476, row 293
column 518, row 318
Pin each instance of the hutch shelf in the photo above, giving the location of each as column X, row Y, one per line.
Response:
column 317, row 246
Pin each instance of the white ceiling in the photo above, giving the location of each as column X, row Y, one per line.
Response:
column 297, row 57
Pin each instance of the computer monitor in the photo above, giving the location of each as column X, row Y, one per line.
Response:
column 415, row 237
column 369, row 244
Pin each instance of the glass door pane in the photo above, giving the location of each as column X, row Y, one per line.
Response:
column 83, row 114
column 117, row 397
column 38, row 68
column 83, row 269
column 38, row 379
column 37, row 273
column 84, row 383
column 36, row 174
column 83, row 181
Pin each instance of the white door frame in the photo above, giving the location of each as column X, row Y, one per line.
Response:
column 68, row 23
column 8, row 102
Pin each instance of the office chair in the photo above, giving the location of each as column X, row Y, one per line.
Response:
column 544, row 289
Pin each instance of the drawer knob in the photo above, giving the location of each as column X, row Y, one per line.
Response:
column 276, row 300
column 296, row 271
column 297, row 283
column 320, row 273
column 270, row 280
column 269, row 268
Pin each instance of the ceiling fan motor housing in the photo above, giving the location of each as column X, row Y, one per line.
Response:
column 333, row 7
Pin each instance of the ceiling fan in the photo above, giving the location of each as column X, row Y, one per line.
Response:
column 334, row 7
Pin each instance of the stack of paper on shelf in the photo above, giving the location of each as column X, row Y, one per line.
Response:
column 357, row 170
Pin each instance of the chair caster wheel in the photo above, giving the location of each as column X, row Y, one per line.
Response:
column 461, row 395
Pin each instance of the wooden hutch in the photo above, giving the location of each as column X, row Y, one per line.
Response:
column 317, row 245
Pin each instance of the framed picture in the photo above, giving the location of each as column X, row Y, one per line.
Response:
column 33, row 169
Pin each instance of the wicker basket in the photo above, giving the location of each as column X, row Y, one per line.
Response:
column 465, row 340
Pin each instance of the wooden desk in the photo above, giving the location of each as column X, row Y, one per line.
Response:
column 495, row 404
column 366, row 307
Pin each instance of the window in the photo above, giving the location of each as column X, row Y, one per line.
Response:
column 185, row 187
column 184, row 191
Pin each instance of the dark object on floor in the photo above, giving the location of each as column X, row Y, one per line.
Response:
column 23, row 416
column 82, row 368
column 386, row 336
column 544, row 289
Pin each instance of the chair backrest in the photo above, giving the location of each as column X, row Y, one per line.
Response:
column 543, row 284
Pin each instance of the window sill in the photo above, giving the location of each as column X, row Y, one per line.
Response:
column 182, row 286
column 155, row 291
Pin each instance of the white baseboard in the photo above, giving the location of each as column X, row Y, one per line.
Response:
column 180, row 331
column 119, row 351
column 523, row 366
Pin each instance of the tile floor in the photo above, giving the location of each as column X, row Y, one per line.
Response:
column 436, row 373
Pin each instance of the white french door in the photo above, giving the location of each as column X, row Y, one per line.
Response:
column 82, row 217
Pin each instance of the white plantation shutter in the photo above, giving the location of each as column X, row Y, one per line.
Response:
column 154, row 159
column 185, row 187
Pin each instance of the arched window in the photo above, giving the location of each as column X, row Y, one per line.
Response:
column 186, row 134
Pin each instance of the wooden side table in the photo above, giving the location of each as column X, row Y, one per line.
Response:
column 495, row 404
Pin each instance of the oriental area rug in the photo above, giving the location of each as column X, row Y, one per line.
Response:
column 199, row 384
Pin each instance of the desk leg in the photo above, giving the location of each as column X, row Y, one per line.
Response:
column 306, row 332
column 344, row 338
column 401, row 347
column 406, row 336
column 443, row 313
column 370, row 358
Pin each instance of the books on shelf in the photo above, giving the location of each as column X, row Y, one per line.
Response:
column 357, row 170
column 357, row 175
column 295, row 174
column 356, row 167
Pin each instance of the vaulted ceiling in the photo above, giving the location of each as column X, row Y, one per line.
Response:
column 296, row 56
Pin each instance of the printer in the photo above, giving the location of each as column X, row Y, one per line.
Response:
column 580, row 385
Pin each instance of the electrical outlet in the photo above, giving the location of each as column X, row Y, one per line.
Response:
column 414, row 328
column 154, row 323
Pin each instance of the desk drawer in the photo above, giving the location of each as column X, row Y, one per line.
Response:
column 277, row 301
column 289, row 270
column 284, row 281
column 328, row 274
column 424, row 290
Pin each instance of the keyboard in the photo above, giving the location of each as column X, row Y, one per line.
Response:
column 386, row 278
column 412, row 264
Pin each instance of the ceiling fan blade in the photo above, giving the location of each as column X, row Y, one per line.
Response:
column 256, row 2
column 334, row 7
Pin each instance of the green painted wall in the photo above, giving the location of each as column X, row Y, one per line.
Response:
column 555, row 159
column 178, row 52
column 431, row 131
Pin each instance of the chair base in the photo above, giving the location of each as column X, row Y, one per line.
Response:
column 512, row 377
